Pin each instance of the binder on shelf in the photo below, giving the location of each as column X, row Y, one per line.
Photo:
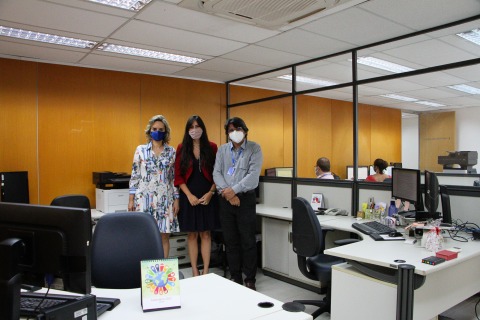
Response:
column 160, row 288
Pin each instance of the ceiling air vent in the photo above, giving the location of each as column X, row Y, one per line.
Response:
column 271, row 14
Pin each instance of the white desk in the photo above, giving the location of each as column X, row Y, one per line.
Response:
column 445, row 285
column 206, row 297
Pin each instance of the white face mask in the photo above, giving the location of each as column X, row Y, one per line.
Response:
column 195, row 133
column 236, row 136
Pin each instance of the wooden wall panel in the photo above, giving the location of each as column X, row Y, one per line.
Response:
column 437, row 136
column 342, row 137
column 18, row 120
column 314, row 138
column 364, row 135
column 91, row 120
column 178, row 99
column 88, row 121
column 386, row 128
column 265, row 122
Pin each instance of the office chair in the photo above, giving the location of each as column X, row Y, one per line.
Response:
column 120, row 241
column 308, row 240
column 71, row 200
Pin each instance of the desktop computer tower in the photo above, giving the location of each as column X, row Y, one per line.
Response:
column 14, row 187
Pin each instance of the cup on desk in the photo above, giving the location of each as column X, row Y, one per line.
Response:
column 360, row 214
column 368, row 214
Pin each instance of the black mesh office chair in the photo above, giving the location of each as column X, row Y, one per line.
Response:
column 71, row 200
column 308, row 240
column 120, row 241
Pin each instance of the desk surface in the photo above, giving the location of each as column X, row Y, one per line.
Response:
column 206, row 297
column 382, row 253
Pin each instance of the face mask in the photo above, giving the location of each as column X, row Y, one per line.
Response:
column 157, row 135
column 236, row 136
column 195, row 133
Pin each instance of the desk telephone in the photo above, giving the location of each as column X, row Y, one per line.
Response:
column 335, row 212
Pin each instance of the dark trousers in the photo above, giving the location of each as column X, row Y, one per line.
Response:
column 239, row 229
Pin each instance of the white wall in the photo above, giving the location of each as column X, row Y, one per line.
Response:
column 410, row 142
column 468, row 130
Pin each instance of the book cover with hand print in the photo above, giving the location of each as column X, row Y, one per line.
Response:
column 160, row 284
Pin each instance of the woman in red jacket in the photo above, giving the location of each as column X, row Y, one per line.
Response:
column 198, row 213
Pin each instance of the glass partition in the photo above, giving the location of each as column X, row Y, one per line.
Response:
column 325, row 129
column 262, row 86
column 270, row 125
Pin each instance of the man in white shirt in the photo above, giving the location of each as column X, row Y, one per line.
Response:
column 322, row 169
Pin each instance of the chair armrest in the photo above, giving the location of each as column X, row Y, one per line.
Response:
column 343, row 242
column 326, row 229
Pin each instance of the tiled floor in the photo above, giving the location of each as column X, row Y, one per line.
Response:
column 286, row 292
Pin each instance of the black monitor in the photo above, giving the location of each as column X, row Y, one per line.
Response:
column 42, row 242
column 406, row 184
column 432, row 192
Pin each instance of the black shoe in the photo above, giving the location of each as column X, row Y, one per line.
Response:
column 239, row 281
column 250, row 285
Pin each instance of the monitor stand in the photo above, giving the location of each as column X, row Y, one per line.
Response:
column 11, row 251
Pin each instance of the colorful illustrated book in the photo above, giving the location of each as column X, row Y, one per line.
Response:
column 317, row 201
column 160, row 284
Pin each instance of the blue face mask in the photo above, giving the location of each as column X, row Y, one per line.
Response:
column 157, row 135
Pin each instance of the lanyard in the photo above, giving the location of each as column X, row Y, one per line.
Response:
column 233, row 156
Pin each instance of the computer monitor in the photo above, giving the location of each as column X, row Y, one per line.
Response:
column 42, row 242
column 432, row 192
column 362, row 172
column 406, row 184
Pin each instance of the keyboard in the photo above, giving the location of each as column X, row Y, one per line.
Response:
column 372, row 227
column 29, row 302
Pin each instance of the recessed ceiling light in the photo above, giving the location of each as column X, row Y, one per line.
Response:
column 148, row 53
column 46, row 38
column 465, row 88
column 317, row 82
column 472, row 36
column 399, row 97
column 431, row 104
column 382, row 64
column 134, row 5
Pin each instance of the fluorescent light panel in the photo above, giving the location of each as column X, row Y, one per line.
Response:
column 465, row 88
column 46, row 38
column 317, row 82
column 430, row 104
column 382, row 64
column 108, row 47
column 134, row 5
column 399, row 97
column 472, row 36
column 409, row 99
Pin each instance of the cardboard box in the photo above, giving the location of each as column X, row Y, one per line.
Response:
column 446, row 254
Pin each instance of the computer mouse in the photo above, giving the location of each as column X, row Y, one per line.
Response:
column 395, row 234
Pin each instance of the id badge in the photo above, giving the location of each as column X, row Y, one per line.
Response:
column 231, row 171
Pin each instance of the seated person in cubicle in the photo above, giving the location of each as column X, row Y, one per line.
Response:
column 379, row 165
column 322, row 169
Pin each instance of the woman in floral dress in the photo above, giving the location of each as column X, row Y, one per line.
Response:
column 151, row 184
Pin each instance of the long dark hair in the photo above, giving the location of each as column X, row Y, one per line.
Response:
column 206, row 153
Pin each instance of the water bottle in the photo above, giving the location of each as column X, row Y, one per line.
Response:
column 392, row 210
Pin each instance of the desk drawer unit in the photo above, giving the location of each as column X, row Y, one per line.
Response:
column 179, row 248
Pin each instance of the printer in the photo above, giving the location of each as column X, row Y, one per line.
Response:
column 110, row 180
column 459, row 161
